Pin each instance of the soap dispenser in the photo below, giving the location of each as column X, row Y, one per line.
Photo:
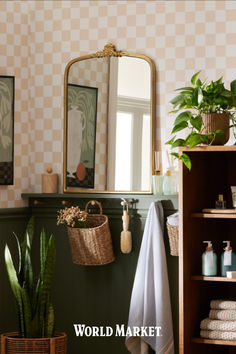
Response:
column 209, row 261
column 228, row 259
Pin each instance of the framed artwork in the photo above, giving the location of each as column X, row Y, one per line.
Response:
column 7, row 84
column 81, row 136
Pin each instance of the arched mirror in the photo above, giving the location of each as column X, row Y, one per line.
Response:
column 109, row 123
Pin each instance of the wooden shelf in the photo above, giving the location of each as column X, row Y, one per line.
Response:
column 214, row 341
column 204, row 278
column 209, row 148
column 213, row 216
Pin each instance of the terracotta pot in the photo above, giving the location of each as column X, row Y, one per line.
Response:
column 215, row 121
column 12, row 344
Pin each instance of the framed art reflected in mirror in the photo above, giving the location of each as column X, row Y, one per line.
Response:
column 117, row 131
column 81, row 133
column 6, row 129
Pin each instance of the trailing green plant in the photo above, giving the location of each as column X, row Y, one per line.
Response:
column 33, row 296
column 192, row 102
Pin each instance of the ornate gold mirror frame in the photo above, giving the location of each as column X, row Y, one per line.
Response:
column 109, row 51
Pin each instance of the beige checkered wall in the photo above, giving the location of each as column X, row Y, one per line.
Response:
column 14, row 53
column 182, row 37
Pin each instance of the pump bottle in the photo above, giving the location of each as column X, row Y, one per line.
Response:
column 209, row 261
column 228, row 259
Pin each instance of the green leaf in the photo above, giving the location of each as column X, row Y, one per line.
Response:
column 182, row 117
column 27, row 312
column 194, row 77
column 19, row 252
column 16, row 289
column 179, row 127
column 175, row 154
column 177, row 100
column 233, row 86
column 220, row 136
column 195, row 97
column 49, row 330
column 194, row 140
column 196, row 122
column 186, row 160
column 170, row 142
column 187, row 88
column 43, row 251
column 177, row 143
column 205, row 139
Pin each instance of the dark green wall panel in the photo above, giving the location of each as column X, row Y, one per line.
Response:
column 94, row 296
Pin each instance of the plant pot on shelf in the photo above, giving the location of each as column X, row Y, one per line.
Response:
column 12, row 344
column 216, row 121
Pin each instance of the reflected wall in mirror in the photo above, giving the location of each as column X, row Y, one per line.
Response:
column 109, row 123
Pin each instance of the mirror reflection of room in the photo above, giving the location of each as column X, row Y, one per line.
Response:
column 109, row 124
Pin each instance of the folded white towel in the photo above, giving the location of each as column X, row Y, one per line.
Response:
column 225, row 315
column 173, row 219
column 223, row 305
column 221, row 335
column 218, row 325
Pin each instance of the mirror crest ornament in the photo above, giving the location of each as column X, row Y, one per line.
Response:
column 109, row 114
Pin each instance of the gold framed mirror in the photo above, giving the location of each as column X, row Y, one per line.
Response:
column 109, row 115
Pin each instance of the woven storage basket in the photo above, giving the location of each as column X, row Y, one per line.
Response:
column 173, row 234
column 92, row 246
column 12, row 344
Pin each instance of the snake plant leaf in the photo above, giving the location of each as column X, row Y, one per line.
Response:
column 49, row 325
column 43, row 251
column 16, row 289
column 194, row 77
column 19, row 253
column 47, row 279
column 27, row 312
column 30, row 230
column 28, row 270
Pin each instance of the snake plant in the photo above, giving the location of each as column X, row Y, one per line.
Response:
column 33, row 296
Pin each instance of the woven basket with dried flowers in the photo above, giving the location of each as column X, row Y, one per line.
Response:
column 89, row 235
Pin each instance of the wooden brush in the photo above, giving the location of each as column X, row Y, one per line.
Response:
column 125, row 237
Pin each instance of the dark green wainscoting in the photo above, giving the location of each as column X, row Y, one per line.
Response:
column 94, row 296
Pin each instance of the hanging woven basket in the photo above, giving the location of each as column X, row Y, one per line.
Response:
column 93, row 245
column 12, row 344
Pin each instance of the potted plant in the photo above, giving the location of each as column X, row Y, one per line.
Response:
column 205, row 110
column 35, row 312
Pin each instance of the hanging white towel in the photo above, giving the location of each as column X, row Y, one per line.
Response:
column 150, row 300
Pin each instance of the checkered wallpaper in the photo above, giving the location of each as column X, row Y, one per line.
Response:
column 38, row 38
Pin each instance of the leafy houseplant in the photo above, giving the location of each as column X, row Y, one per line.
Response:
column 35, row 312
column 197, row 104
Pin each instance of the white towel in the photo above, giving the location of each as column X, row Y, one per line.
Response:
column 218, row 325
column 223, row 305
column 173, row 219
column 225, row 315
column 221, row 335
column 150, row 301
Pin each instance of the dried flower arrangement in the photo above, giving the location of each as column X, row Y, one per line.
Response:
column 73, row 217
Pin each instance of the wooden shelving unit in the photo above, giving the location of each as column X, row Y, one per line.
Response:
column 213, row 172
column 213, row 216
column 203, row 278
column 214, row 341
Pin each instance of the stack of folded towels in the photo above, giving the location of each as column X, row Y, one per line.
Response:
column 221, row 323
